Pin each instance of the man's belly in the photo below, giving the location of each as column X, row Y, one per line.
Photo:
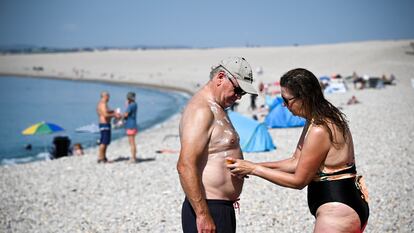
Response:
column 103, row 120
column 218, row 181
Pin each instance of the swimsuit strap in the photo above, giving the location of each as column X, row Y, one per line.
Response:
column 347, row 170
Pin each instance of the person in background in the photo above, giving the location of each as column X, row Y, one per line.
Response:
column 261, row 87
column 207, row 138
column 357, row 79
column 323, row 160
column 253, row 102
column 388, row 81
column 104, row 116
column 353, row 100
column 131, row 127
column 77, row 149
column 28, row 147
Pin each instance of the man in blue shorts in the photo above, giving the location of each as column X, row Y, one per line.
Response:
column 104, row 115
column 208, row 139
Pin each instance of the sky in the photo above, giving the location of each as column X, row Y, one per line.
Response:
column 202, row 24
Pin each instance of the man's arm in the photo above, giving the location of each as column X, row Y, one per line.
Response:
column 195, row 135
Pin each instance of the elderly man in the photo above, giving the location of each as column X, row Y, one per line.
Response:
column 207, row 138
column 104, row 116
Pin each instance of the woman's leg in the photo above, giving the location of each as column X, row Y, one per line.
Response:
column 337, row 217
column 131, row 139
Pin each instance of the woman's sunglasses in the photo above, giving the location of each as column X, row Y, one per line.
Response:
column 286, row 101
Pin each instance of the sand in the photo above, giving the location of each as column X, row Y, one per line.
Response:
column 75, row 194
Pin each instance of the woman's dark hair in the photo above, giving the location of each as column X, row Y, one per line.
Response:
column 305, row 86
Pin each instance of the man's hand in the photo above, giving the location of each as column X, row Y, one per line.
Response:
column 205, row 224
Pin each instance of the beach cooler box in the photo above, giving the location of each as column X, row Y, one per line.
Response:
column 61, row 145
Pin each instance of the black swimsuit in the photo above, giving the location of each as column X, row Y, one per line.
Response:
column 346, row 191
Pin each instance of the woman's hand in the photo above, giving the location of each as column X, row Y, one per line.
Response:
column 240, row 168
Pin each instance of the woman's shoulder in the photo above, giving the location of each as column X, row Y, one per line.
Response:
column 317, row 130
column 323, row 125
column 133, row 105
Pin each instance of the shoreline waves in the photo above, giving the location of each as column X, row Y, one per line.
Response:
column 75, row 194
column 56, row 100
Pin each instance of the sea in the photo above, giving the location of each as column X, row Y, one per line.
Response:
column 25, row 101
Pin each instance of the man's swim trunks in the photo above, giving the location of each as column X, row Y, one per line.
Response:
column 222, row 212
column 105, row 130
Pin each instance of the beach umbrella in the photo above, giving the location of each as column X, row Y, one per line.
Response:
column 42, row 128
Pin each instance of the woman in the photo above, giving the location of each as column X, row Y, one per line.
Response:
column 131, row 128
column 323, row 159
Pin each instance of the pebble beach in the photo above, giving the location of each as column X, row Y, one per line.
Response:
column 75, row 194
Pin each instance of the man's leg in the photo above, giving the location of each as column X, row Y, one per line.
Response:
column 102, row 153
column 222, row 212
column 223, row 215
column 104, row 142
